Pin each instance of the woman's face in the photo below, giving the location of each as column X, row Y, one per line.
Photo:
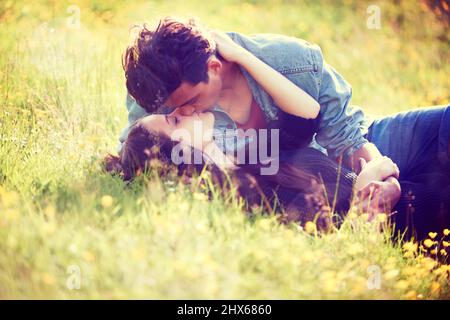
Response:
column 195, row 130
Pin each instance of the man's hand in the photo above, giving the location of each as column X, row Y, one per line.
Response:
column 378, row 169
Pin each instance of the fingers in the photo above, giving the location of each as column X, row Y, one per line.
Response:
column 387, row 168
column 369, row 189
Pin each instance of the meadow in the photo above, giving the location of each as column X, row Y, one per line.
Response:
column 69, row 230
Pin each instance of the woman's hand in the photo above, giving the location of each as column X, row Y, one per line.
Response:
column 378, row 197
column 226, row 47
column 379, row 169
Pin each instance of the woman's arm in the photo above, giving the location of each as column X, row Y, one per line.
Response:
column 286, row 95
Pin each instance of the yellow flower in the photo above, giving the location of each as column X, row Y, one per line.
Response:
column 446, row 232
column 365, row 216
column 428, row 243
column 443, row 252
column 432, row 235
column 49, row 228
column 410, row 246
column 445, row 243
column 402, row 284
column 88, row 256
column 408, row 271
column 11, row 215
column 428, row 263
column 411, row 295
column 391, row 274
column 352, row 216
column 9, row 198
column 381, row 217
column 310, row 227
column 48, row 279
column 434, row 251
column 435, row 286
column 50, row 212
column 200, row 196
column 355, row 249
column 106, row 201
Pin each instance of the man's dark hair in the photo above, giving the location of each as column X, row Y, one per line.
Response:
column 160, row 59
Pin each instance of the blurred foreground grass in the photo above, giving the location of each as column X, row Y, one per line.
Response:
column 67, row 230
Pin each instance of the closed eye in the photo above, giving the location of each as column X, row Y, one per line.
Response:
column 173, row 119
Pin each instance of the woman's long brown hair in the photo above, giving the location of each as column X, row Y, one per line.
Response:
column 145, row 150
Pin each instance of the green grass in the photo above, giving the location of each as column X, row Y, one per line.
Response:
column 62, row 98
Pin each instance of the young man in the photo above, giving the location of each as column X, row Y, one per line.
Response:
column 176, row 68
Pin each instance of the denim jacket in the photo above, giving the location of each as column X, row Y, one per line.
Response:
column 341, row 126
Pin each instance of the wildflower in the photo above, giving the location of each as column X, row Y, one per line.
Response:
column 446, row 243
column 355, row 249
column 410, row 246
column 446, row 232
column 9, row 198
column 411, row 295
column 435, row 286
column 408, row 271
column 106, row 201
column 49, row 228
column 381, row 217
column 428, row 263
column 73, row 248
column 50, row 212
column 443, row 252
column 402, row 284
column 310, row 227
column 373, row 238
column 48, row 279
column 11, row 215
column 352, row 216
column 391, row 274
column 200, row 196
column 432, row 235
column 434, row 251
column 88, row 256
column 428, row 243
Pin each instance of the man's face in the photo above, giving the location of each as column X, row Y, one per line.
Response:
column 189, row 98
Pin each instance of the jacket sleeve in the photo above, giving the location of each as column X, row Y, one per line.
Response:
column 341, row 126
column 135, row 112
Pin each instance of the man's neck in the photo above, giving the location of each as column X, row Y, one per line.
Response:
column 231, row 74
column 232, row 84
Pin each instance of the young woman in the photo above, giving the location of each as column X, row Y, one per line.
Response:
column 308, row 184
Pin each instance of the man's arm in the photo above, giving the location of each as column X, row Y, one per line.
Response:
column 342, row 126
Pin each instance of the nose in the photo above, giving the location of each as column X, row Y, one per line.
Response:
column 186, row 111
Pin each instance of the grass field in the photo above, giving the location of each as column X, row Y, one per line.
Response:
column 68, row 230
